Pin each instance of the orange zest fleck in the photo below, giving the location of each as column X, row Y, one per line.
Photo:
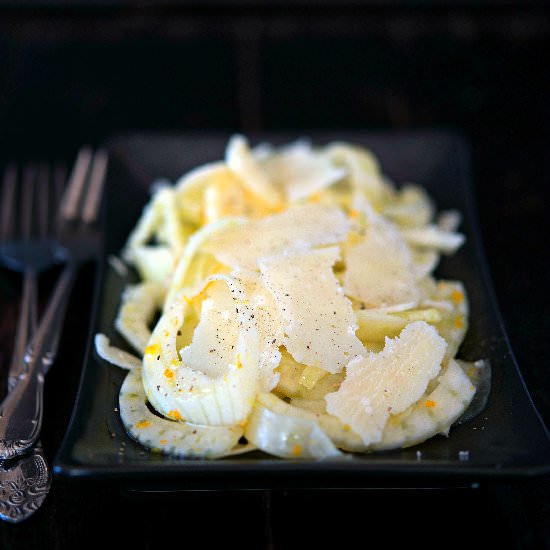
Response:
column 459, row 322
column 457, row 296
column 175, row 414
column 168, row 373
column 429, row 403
column 239, row 364
column 143, row 424
column 353, row 213
column 153, row 349
column 163, row 441
column 297, row 450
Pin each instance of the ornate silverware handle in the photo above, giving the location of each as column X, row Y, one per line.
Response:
column 24, row 485
column 21, row 410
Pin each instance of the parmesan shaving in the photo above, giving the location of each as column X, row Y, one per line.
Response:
column 298, row 228
column 319, row 324
column 388, row 382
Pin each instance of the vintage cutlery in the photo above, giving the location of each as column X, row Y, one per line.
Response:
column 79, row 236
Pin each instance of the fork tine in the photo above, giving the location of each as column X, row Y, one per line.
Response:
column 97, row 180
column 60, row 179
column 59, row 182
column 26, row 203
column 73, row 193
column 8, row 195
column 43, row 197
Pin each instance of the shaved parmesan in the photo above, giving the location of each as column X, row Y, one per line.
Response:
column 319, row 324
column 297, row 228
column 434, row 413
column 387, row 382
column 269, row 326
column 379, row 269
column 300, row 171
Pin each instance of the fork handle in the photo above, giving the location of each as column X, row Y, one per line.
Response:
column 21, row 410
column 26, row 326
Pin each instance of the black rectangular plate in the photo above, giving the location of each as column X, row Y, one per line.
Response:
column 506, row 440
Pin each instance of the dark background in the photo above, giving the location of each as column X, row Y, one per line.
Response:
column 73, row 73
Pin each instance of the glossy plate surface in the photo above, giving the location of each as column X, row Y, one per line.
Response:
column 506, row 440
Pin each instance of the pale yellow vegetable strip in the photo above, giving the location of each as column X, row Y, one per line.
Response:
column 114, row 355
column 172, row 437
column 195, row 389
column 240, row 159
column 190, row 189
column 431, row 236
column 194, row 245
column 154, row 263
column 338, row 433
column 139, row 304
column 363, row 169
column 285, row 435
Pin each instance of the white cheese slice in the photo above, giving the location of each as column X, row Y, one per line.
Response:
column 384, row 383
column 269, row 326
column 319, row 321
column 300, row 171
column 216, row 335
column 294, row 229
column 380, row 271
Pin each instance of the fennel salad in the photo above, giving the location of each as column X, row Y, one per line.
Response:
column 287, row 302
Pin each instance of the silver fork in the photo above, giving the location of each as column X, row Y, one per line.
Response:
column 24, row 482
column 78, row 234
column 25, row 246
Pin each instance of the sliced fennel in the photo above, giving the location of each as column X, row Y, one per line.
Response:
column 167, row 435
column 299, row 306
column 214, row 380
column 287, row 435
